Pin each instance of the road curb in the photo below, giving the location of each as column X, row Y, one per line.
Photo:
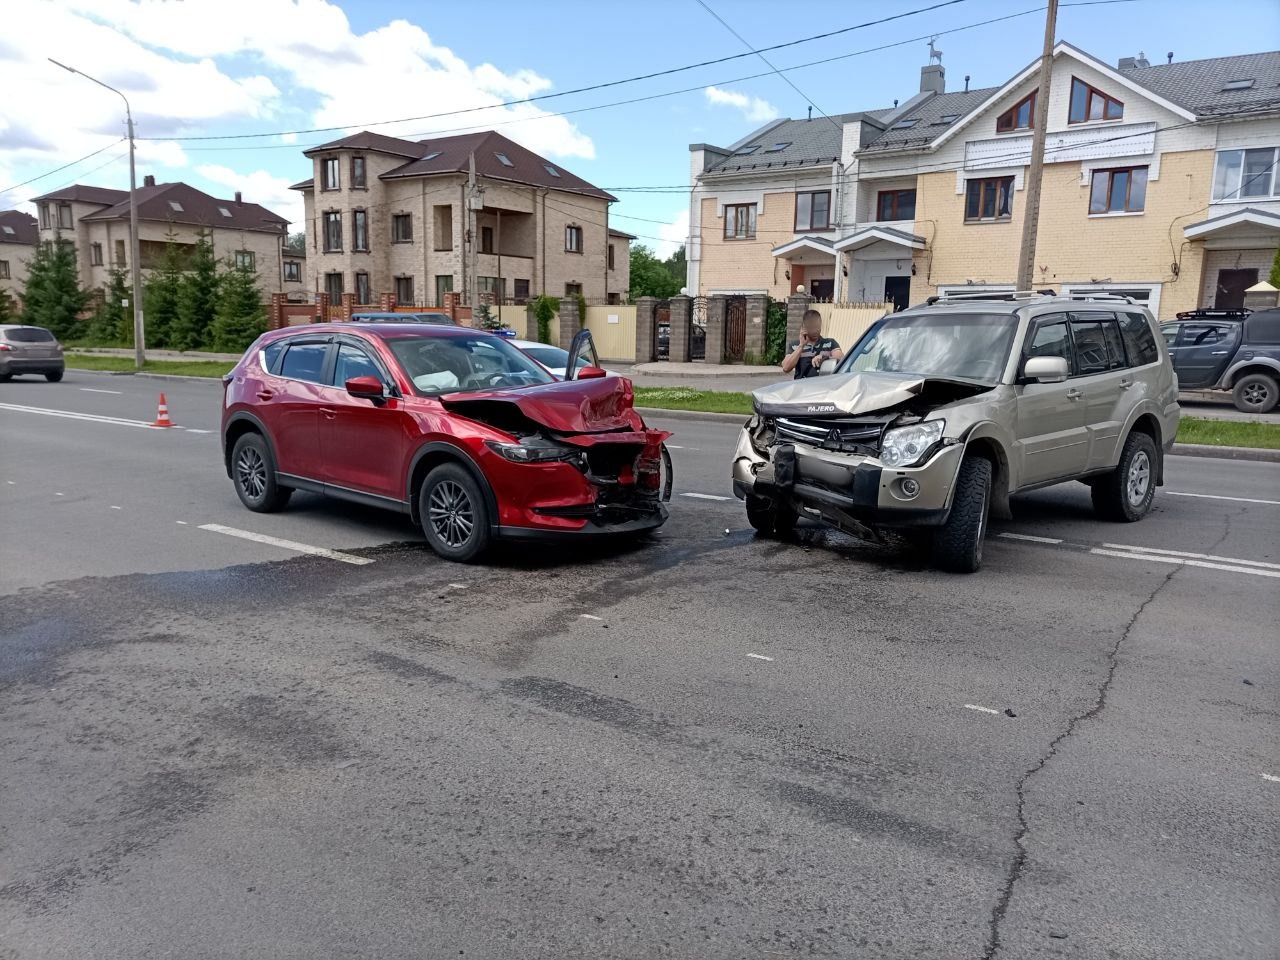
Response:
column 738, row 418
column 1225, row 453
column 149, row 376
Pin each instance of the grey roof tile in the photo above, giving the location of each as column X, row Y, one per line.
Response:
column 18, row 227
column 929, row 123
column 1198, row 84
column 808, row 143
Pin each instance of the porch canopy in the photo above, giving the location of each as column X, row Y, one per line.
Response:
column 823, row 251
column 1228, row 230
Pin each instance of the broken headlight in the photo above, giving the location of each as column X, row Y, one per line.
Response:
column 538, row 450
column 907, row 446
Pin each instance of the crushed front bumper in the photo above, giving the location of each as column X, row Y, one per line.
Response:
column 851, row 491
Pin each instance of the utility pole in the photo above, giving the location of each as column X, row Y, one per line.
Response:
column 139, row 337
column 475, row 203
column 1035, row 172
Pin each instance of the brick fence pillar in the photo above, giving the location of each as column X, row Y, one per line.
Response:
column 275, row 312
column 386, row 302
column 797, row 304
column 570, row 324
column 322, row 307
column 757, row 315
column 681, row 320
column 645, row 309
column 348, row 305
column 716, row 307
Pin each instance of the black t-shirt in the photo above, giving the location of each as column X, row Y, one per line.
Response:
column 805, row 367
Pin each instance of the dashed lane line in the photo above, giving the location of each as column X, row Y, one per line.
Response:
column 1184, row 561
column 1029, row 538
column 705, row 496
column 1215, row 496
column 760, row 656
column 117, row 393
column 1194, row 556
column 974, row 706
column 285, row 544
column 88, row 417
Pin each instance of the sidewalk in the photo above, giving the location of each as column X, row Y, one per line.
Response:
column 157, row 354
column 735, row 377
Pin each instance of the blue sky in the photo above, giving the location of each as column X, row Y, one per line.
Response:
column 201, row 68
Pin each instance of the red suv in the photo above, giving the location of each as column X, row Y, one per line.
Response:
column 454, row 427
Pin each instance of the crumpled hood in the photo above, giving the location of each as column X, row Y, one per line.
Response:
column 852, row 393
column 568, row 406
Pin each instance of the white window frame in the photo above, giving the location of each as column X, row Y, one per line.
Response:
column 1153, row 291
column 1233, row 196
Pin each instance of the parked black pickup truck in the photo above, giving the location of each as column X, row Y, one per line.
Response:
column 1232, row 350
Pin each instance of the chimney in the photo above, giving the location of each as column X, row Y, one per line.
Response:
column 149, row 181
column 238, row 200
column 933, row 78
column 1130, row 63
column 966, row 83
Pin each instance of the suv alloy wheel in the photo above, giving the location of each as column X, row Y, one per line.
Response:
column 455, row 517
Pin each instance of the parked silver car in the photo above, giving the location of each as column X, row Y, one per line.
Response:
column 941, row 412
column 26, row 349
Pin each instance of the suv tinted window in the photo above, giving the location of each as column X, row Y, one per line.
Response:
column 1138, row 339
column 1202, row 334
column 304, row 361
column 1049, row 339
column 353, row 362
column 271, row 353
column 1115, row 343
column 1170, row 333
column 28, row 335
column 1097, row 342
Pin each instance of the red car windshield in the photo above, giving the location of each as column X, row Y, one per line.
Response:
column 442, row 365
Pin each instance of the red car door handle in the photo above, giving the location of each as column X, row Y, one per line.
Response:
column 265, row 394
column 329, row 412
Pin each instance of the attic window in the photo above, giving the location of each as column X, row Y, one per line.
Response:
column 224, row 211
column 551, row 170
column 175, row 206
column 946, row 119
column 431, row 156
column 906, row 124
column 1021, row 116
column 8, row 229
column 1238, row 84
column 744, row 151
column 778, row 147
column 502, row 159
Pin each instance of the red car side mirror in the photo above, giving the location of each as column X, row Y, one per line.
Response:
column 366, row 388
column 590, row 373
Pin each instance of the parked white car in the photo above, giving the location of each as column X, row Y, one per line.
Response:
column 553, row 358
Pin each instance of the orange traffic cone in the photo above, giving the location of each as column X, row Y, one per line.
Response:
column 162, row 415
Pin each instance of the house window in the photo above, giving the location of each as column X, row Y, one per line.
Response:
column 404, row 290
column 896, row 205
column 175, row 206
column 95, row 254
column 504, row 160
column 442, row 217
column 402, row 228
column 486, row 239
column 1089, row 103
column 244, row 259
column 611, row 256
column 360, row 230
column 1020, row 116
column 989, row 199
column 357, row 174
column 572, row 239
column 492, row 286
column 813, row 210
column 120, row 258
column 521, row 290
column 444, row 285
column 740, row 221
column 333, row 232
column 4, row 270
column 362, row 288
column 293, row 271
column 333, row 285
column 573, row 289
column 1123, row 190
column 1242, row 174
column 64, row 216
column 45, row 220
column 329, row 177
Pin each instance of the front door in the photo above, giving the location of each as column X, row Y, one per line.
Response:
column 897, row 291
column 1231, row 287
column 362, row 442
column 735, row 331
column 1102, row 375
column 1202, row 351
column 1051, row 432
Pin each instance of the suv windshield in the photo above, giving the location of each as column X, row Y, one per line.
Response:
column 967, row 346
column 28, row 335
column 442, row 365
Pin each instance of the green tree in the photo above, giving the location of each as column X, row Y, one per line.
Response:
column 160, row 295
column 544, row 311
column 112, row 321
column 650, row 276
column 8, row 309
column 678, row 267
column 1275, row 270
column 52, row 296
column 297, row 243
column 775, row 332
column 197, row 297
column 240, row 315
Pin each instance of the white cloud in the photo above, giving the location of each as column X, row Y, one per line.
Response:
column 673, row 234
column 753, row 108
column 258, row 187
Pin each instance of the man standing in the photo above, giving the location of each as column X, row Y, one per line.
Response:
column 807, row 354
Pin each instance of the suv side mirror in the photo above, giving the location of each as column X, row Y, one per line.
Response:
column 828, row 367
column 590, row 373
column 1046, row 369
column 366, row 388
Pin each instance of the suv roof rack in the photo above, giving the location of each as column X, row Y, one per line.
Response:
column 1214, row 313
column 1012, row 295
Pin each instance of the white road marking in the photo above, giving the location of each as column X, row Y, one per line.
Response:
column 114, row 507
column 1267, row 776
column 1194, row 556
column 96, row 390
column 89, row 417
column 589, row 616
column 704, row 496
column 458, row 586
column 974, row 706
column 1185, row 561
column 1027, row 536
column 194, row 430
column 1214, row 496
column 672, row 446
column 59, row 494
column 12, row 483
column 285, row 544
column 181, row 522
column 759, row 656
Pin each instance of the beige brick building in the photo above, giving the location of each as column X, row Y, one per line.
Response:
column 96, row 220
column 19, row 234
column 1160, row 182
column 390, row 216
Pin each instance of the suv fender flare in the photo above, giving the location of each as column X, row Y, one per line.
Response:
column 988, row 440
column 1146, row 408
column 455, row 453
column 242, row 416
column 1240, row 366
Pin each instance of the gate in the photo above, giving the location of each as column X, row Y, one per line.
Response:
column 662, row 330
column 735, row 329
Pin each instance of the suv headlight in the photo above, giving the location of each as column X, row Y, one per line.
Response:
column 907, row 446
column 537, row 450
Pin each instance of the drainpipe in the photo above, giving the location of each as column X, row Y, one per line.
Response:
column 427, row 286
column 497, row 246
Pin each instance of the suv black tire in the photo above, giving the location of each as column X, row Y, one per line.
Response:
column 957, row 544
column 454, row 513
column 1125, row 494
column 53, row 377
column 1256, row 393
column 770, row 518
column 253, row 471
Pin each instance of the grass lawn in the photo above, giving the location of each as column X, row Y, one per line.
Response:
column 1229, row 433
column 686, row 398
column 181, row 368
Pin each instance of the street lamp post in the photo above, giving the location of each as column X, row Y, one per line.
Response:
column 139, row 345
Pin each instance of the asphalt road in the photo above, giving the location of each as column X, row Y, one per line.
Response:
column 708, row 746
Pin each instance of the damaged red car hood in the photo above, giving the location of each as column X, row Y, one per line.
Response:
column 568, row 406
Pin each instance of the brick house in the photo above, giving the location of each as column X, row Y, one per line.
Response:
column 385, row 215
column 18, row 236
column 1159, row 182
column 96, row 220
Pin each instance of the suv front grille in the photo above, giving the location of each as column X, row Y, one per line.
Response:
column 846, row 434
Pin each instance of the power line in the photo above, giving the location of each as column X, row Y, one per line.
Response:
column 50, row 173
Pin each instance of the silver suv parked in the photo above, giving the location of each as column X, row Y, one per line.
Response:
column 941, row 412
